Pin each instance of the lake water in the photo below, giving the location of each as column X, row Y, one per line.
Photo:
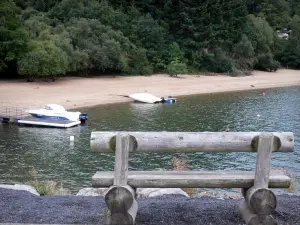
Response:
column 48, row 150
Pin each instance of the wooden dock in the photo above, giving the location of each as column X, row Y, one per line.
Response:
column 48, row 122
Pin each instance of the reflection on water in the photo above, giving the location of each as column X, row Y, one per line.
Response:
column 49, row 149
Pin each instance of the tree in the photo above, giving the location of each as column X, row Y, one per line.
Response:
column 39, row 26
column 40, row 5
column 266, row 62
column 295, row 26
column 295, row 7
column 176, row 67
column 43, row 60
column 108, row 50
column 261, row 36
column 291, row 56
column 244, row 55
column 13, row 36
column 139, row 37
column 277, row 13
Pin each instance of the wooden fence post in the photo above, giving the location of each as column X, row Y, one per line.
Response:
column 120, row 198
column 260, row 202
column 255, row 219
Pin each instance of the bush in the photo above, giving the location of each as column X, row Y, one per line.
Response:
column 176, row 67
column 47, row 187
column 44, row 59
column 216, row 61
column 237, row 72
column 266, row 62
column 202, row 60
column 137, row 63
column 243, row 54
column 181, row 165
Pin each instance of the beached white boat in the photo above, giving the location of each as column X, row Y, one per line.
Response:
column 145, row 97
column 148, row 98
column 57, row 112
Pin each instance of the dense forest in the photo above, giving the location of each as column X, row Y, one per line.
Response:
column 55, row 37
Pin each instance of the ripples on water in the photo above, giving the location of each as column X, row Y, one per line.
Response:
column 49, row 150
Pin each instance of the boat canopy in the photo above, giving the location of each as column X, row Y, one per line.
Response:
column 55, row 107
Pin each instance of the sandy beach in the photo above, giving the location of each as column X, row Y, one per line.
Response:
column 77, row 92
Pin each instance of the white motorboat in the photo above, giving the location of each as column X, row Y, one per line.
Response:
column 148, row 98
column 57, row 112
column 145, row 97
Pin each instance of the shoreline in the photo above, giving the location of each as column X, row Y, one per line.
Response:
column 127, row 100
column 78, row 92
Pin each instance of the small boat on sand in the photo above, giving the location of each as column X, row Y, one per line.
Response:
column 148, row 98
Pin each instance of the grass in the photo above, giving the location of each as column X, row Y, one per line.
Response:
column 181, row 165
column 48, row 187
column 293, row 183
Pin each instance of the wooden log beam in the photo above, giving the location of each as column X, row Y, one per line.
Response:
column 266, row 145
column 121, row 159
column 259, row 198
column 192, row 179
column 120, row 201
column 126, row 218
column 102, row 141
column 120, row 198
column 254, row 219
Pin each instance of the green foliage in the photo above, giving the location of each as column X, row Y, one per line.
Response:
column 295, row 26
column 13, row 36
column 280, row 47
column 175, row 52
column 54, row 37
column 138, row 63
column 291, row 56
column 244, row 55
column 215, row 61
column 266, row 62
column 262, row 39
column 289, row 53
column 295, row 7
column 47, row 187
column 43, row 59
column 277, row 13
column 148, row 34
column 176, row 67
column 259, row 33
column 108, row 50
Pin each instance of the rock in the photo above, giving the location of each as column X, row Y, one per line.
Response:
column 152, row 192
column 92, row 192
column 217, row 194
column 141, row 192
column 21, row 187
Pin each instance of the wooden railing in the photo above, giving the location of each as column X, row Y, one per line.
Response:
column 259, row 201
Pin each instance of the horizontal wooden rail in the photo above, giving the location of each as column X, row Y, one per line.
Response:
column 102, row 141
column 192, row 179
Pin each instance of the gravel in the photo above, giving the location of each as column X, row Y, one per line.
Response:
column 24, row 207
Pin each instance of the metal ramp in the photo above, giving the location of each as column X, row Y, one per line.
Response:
column 8, row 114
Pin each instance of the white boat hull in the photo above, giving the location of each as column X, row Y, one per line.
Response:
column 145, row 97
column 56, row 112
